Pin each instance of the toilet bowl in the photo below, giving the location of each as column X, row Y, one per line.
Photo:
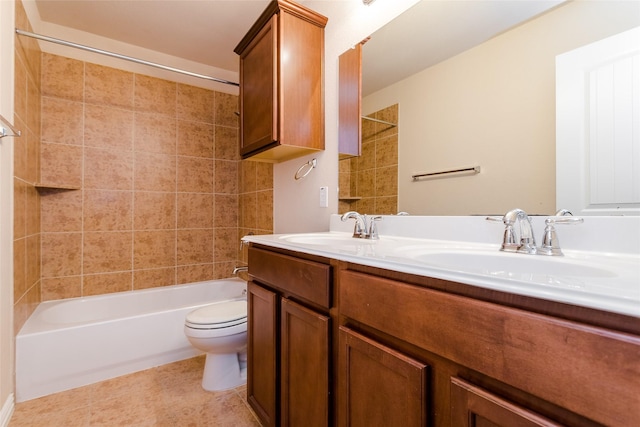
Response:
column 220, row 330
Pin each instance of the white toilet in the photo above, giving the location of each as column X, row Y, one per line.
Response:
column 220, row 330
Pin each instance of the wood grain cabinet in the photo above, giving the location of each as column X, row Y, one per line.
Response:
column 281, row 83
column 489, row 364
column 289, row 339
column 379, row 386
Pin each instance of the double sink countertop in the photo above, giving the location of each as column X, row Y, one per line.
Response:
column 600, row 268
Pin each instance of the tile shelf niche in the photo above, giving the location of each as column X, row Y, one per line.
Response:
column 44, row 186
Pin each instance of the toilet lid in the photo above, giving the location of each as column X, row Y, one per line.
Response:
column 221, row 312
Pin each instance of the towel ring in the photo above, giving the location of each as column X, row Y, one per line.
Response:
column 305, row 169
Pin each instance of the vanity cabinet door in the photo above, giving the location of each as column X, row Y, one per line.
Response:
column 377, row 385
column 262, row 330
column 304, row 365
column 471, row 406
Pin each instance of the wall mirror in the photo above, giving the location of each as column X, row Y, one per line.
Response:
column 487, row 101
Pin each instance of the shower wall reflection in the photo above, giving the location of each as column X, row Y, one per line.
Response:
column 369, row 183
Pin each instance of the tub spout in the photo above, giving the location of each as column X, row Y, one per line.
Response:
column 239, row 269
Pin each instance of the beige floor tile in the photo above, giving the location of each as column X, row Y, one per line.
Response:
column 167, row 396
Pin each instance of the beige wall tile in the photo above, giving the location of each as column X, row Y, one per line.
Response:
column 194, row 104
column 20, row 87
column 226, row 177
column 226, row 244
column 155, row 277
column 107, row 169
column 154, row 210
column 195, row 210
column 225, row 211
column 62, row 121
column 108, row 127
column 264, row 176
column 32, row 166
column 195, row 247
column 61, row 211
column 61, row 165
column 106, row 251
column 264, row 207
column 249, row 210
column 110, row 86
column 155, row 134
column 154, row 249
column 226, row 106
column 154, row 95
column 195, row 139
column 61, row 254
column 195, row 273
column 247, row 176
column 387, row 181
column 195, row 174
column 19, row 208
column 33, row 259
column 155, row 172
column 227, row 143
column 61, row 287
column 64, row 77
column 108, row 210
column 98, row 284
column 20, row 285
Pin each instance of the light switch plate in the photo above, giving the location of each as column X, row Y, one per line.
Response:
column 324, row 197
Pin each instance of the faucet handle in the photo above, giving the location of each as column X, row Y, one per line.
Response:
column 550, row 242
column 373, row 229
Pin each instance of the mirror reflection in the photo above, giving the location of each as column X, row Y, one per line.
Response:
column 490, row 104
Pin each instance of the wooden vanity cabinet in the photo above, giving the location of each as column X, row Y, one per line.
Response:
column 281, row 83
column 489, row 364
column 289, row 347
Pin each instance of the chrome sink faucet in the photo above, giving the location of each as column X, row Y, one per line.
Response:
column 525, row 242
column 365, row 227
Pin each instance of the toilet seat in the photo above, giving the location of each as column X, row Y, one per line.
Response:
column 219, row 315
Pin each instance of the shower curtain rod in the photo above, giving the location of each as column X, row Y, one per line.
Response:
column 119, row 56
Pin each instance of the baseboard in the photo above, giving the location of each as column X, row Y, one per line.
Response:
column 7, row 411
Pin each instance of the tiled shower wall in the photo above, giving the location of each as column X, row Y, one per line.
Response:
column 369, row 183
column 144, row 185
column 26, row 226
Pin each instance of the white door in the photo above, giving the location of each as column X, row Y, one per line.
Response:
column 598, row 127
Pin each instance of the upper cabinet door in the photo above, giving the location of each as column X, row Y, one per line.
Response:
column 258, row 90
column 281, row 84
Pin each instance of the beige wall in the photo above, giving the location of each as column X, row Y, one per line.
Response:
column 493, row 106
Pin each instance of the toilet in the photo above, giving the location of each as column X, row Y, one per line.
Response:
column 220, row 330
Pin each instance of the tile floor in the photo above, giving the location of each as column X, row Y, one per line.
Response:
column 168, row 395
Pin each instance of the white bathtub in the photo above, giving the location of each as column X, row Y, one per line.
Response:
column 71, row 343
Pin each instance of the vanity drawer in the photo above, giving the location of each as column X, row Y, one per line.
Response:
column 541, row 355
column 305, row 279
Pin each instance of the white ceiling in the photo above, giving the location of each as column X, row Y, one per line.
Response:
column 207, row 31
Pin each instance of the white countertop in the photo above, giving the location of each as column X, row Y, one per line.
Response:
column 604, row 280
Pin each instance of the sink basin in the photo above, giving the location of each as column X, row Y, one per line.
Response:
column 509, row 265
column 325, row 239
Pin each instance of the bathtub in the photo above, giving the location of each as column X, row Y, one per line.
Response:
column 75, row 342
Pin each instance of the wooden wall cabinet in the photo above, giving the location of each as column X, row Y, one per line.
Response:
column 289, row 339
column 281, row 83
